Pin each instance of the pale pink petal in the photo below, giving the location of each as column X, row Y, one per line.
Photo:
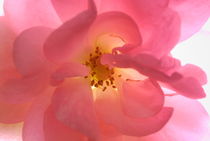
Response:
column 163, row 34
column 194, row 71
column 109, row 109
column 73, row 105
column 190, row 121
column 69, row 37
column 141, row 98
column 13, row 113
column 193, row 14
column 54, row 130
column 68, row 70
column 28, row 51
column 105, row 24
column 33, row 125
column 28, row 13
column 19, row 90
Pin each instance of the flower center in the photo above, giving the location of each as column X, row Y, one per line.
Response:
column 100, row 76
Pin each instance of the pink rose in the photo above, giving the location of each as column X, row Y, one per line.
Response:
column 101, row 71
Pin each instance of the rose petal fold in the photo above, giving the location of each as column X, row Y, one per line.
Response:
column 25, row 14
column 67, row 9
column 28, row 50
column 66, row 40
column 73, row 105
column 103, row 31
column 189, row 87
column 190, row 70
column 185, row 124
column 109, row 109
column 142, row 98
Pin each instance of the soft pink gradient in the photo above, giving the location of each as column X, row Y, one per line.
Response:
column 93, row 117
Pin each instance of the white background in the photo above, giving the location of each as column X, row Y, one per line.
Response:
column 195, row 50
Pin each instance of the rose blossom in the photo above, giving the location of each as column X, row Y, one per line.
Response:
column 79, row 70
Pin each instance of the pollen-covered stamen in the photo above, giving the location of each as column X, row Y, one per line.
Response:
column 101, row 76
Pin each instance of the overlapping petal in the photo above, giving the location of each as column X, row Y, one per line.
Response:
column 68, row 39
column 28, row 13
column 109, row 109
column 184, row 124
column 28, row 51
column 23, row 89
column 33, row 124
column 73, row 105
column 104, row 27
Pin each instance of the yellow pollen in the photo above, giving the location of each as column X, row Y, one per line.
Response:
column 101, row 76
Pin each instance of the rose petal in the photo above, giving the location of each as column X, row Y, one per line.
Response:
column 68, row 70
column 193, row 15
column 19, row 90
column 185, row 124
column 33, row 124
column 6, row 39
column 55, row 130
column 109, row 109
column 145, row 68
column 28, row 50
column 104, row 27
column 189, row 87
column 28, row 13
column 68, row 38
column 73, row 106
column 13, row 113
column 190, row 70
column 67, row 9
column 142, row 98
column 157, row 39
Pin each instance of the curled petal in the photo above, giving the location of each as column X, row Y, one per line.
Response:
column 28, row 50
column 54, row 130
column 105, row 27
column 67, row 9
column 191, row 70
column 189, row 87
column 142, row 98
column 25, row 14
column 66, row 40
column 73, row 106
column 185, row 124
column 145, row 67
column 109, row 109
